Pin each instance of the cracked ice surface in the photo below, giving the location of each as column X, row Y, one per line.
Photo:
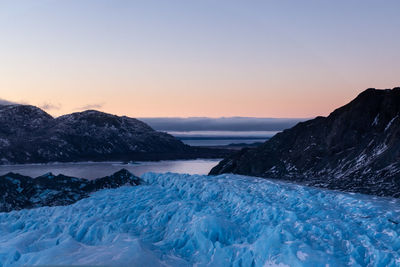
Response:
column 179, row 220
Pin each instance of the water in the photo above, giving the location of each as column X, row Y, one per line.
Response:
column 93, row 170
column 220, row 142
column 222, row 138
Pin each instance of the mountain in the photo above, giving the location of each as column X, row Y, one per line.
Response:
column 22, row 192
column 30, row 135
column 221, row 124
column 356, row 148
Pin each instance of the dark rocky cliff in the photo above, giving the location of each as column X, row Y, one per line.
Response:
column 23, row 192
column 30, row 135
column 356, row 148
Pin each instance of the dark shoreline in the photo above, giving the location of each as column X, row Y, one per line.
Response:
column 192, row 153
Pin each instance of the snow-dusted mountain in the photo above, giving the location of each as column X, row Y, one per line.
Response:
column 30, row 135
column 356, row 148
column 23, row 192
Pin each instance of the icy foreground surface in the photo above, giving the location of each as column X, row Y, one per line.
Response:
column 225, row 220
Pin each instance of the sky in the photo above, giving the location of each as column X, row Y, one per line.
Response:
column 197, row 58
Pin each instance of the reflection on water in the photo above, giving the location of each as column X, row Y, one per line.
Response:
column 220, row 142
column 92, row 170
column 224, row 134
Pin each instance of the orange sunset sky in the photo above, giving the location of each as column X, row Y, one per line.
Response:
column 197, row 58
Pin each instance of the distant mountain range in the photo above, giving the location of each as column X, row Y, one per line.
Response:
column 23, row 192
column 221, row 124
column 30, row 135
column 356, row 148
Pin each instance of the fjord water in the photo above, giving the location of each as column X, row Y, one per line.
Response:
column 226, row 220
column 222, row 138
column 93, row 170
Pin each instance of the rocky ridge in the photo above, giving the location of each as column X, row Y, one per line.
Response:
column 23, row 192
column 30, row 135
column 356, row 148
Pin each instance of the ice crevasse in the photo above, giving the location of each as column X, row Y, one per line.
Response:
column 226, row 220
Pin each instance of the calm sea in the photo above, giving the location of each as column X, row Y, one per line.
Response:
column 222, row 138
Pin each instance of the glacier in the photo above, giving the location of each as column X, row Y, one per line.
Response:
column 195, row 220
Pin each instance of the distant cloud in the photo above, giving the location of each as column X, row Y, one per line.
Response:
column 50, row 106
column 4, row 102
column 222, row 124
column 91, row 106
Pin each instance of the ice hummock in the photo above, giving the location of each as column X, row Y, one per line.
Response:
column 184, row 220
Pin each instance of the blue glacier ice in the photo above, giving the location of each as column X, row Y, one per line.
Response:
column 227, row 220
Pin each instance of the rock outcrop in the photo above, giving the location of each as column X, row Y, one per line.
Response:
column 30, row 135
column 356, row 148
column 23, row 192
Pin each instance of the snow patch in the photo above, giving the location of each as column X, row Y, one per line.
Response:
column 376, row 121
column 390, row 123
column 301, row 255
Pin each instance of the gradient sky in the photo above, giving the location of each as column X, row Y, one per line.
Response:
column 197, row 58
